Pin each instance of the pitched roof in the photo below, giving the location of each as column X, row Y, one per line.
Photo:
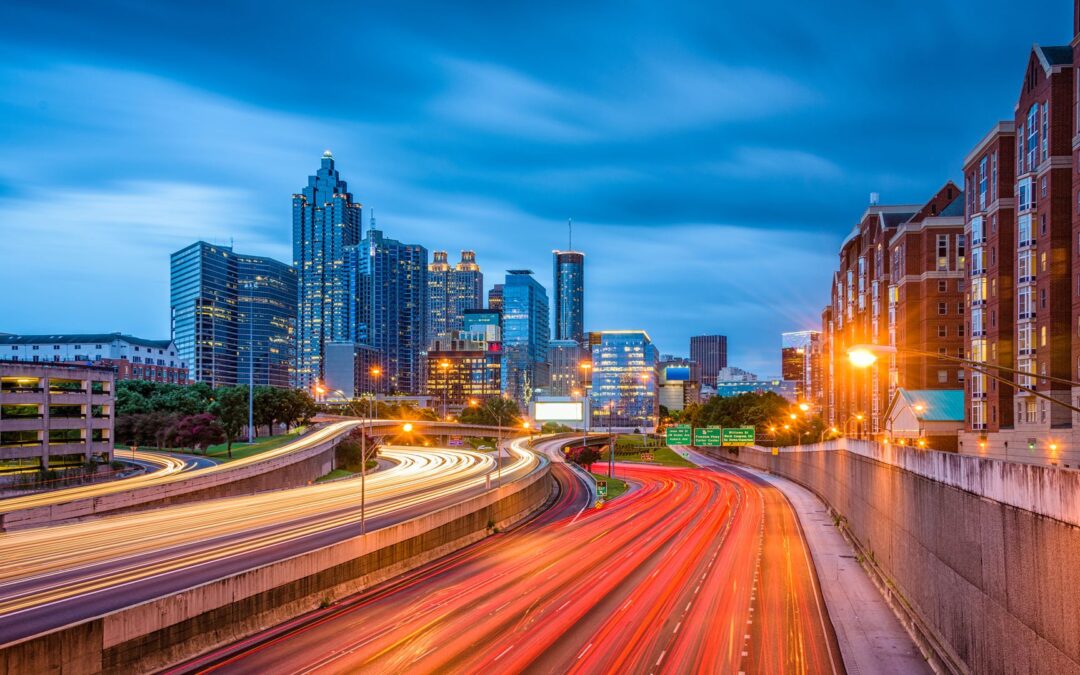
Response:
column 1056, row 56
column 79, row 338
column 940, row 405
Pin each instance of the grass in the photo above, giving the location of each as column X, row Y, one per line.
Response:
column 615, row 486
column 261, row 445
column 345, row 473
column 661, row 454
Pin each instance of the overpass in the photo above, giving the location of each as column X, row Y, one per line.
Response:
column 293, row 464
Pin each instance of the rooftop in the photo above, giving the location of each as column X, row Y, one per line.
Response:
column 79, row 338
column 939, row 405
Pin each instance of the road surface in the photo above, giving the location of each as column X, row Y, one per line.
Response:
column 694, row 570
column 52, row 576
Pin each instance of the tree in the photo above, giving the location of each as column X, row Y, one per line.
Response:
column 198, row 431
column 231, row 409
column 584, row 456
column 296, row 408
column 494, row 411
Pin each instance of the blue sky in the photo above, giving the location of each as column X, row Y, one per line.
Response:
column 712, row 156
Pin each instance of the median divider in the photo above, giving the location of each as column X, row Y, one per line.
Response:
column 179, row 626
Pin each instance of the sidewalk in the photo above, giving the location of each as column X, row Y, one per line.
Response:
column 870, row 636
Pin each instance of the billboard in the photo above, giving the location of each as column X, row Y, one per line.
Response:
column 677, row 373
column 559, row 411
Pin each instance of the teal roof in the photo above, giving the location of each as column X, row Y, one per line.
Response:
column 942, row 405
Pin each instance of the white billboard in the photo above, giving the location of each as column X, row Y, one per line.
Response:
column 558, row 411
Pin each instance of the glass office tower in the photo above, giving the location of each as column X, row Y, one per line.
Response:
column 526, row 332
column 569, row 279
column 326, row 222
column 624, row 383
column 451, row 291
column 214, row 293
column 393, row 311
column 266, row 315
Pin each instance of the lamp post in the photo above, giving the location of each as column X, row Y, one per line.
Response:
column 864, row 356
column 375, row 372
column 444, row 367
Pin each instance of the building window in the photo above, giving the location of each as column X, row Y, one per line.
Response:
column 1042, row 223
column 960, row 308
column 1042, row 336
column 993, row 176
column 1042, row 187
column 960, row 330
column 1042, row 261
column 941, row 330
column 1032, row 135
column 1042, row 298
column 942, row 376
column 941, row 310
column 1045, row 137
column 943, row 252
column 942, row 286
column 982, row 184
column 1023, row 230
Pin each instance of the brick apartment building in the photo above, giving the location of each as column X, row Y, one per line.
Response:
column 900, row 282
column 130, row 357
column 991, row 317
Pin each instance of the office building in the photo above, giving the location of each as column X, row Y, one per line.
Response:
column 129, row 357
column 230, row 310
column 480, row 319
column 393, row 291
column 991, row 322
column 624, row 392
column 495, row 298
column 452, row 291
column 775, row 385
column 710, row 353
column 326, row 225
column 569, row 295
column 464, row 366
column 349, row 371
column 526, row 332
column 57, row 410
column 564, row 368
column 800, row 362
column 679, row 383
column 735, row 374
column 266, row 315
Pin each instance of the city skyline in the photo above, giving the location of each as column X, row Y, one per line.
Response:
column 230, row 138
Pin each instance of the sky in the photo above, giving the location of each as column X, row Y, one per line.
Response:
column 712, row 155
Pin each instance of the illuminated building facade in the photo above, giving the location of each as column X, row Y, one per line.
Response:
column 564, row 365
column 266, row 315
column 526, row 333
column 710, row 353
column 624, row 392
column 800, row 362
column 451, row 291
column 326, row 230
column 569, row 295
column 463, row 366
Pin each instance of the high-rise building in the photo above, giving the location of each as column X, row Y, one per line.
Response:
column 326, row 224
column 564, row 368
column 495, row 297
column 526, row 332
column 203, row 296
column 710, row 353
column 800, row 362
column 991, row 319
column 624, row 392
column 569, row 296
column 393, row 314
column 266, row 328
column 452, row 291
column 464, row 366
column 480, row 319
column 230, row 309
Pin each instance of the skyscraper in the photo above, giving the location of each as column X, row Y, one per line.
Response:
column 202, row 299
column 451, row 291
column 231, row 310
column 569, row 279
column 392, row 287
column 800, row 362
column 710, row 352
column 266, row 314
column 326, row 223
column 495, row 297
column 624, row 385
column 564, row 368
column 526, row 332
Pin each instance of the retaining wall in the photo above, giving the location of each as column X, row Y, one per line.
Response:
column 171, row 629
column 984, row 554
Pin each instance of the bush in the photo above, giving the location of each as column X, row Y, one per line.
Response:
column 116, row 465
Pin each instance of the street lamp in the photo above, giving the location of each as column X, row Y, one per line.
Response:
column 444, row 366
column 804, row 406
column 407, row 427
column 375, row 372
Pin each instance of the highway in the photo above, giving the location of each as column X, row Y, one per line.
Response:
column 52, row 576
column 693, row 570
column 171, row 469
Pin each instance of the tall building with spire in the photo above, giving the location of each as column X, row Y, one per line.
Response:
column 451, row 291
column 569, row 280
column 326, row 230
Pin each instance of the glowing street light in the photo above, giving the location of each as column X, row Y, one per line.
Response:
column 407, row 427
column 804, row 406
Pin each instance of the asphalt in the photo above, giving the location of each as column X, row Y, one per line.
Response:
column 871, row 637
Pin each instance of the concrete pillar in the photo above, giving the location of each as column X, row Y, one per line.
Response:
column 45, row 423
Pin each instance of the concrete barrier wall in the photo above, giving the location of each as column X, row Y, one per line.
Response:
column 170, row 629
column 985, row 555
column 289, row 470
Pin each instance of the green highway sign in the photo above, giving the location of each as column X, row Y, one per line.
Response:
column 601, row 488
column 707, row 437
column 738, row 436
column 678, row 435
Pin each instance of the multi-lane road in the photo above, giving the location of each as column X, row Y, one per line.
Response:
column 56, row 575
column 694, row 570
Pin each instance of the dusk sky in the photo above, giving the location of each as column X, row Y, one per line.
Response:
column 712, row 157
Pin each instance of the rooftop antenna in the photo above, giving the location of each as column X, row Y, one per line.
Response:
column 372, row 224
column 570, row 231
